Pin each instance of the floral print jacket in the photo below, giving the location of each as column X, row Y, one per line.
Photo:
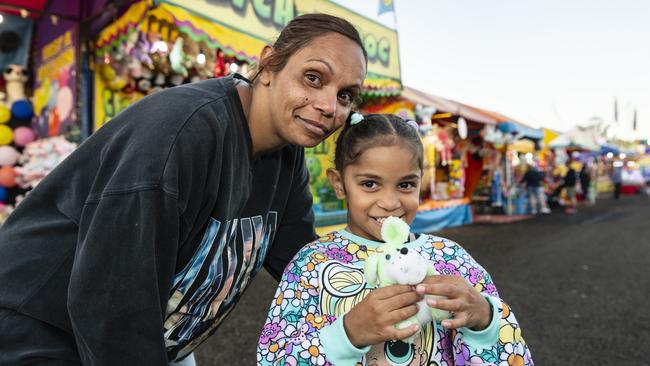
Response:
column 325, row 280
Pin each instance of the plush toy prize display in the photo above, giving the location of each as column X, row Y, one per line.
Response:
column 394, row 263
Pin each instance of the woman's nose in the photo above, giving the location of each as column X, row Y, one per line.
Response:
column 326, row 103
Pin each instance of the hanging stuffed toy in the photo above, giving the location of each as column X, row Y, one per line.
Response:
column 219, row 68
column 395, row 263
column 177, row 58
column 445, row 146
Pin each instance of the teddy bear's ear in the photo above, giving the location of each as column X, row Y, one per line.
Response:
column 370, row 268
column 394, row 231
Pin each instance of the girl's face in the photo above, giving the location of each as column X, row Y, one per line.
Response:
column 313, row 94
column 383, row 181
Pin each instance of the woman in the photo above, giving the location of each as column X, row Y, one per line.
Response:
column 138, row 245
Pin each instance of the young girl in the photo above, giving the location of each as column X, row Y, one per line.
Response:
column 324, row 312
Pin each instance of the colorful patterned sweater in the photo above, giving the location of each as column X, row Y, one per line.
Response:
column 325, row 280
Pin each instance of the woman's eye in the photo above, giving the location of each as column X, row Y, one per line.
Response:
column 346, row 97
column 407, row 185
column 313, row 79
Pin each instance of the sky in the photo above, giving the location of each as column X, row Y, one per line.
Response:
column 547, row 63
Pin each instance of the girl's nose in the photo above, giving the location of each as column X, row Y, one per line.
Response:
column 389, row 202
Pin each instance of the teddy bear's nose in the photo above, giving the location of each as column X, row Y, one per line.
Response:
column 404, row 251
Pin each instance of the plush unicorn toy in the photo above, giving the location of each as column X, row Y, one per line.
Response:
column 394, row 263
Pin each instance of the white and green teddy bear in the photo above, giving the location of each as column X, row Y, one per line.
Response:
column 394, row 263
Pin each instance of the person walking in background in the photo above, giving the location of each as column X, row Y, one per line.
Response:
column 533, row 180
column 498, row 185
column 585, row 182
column 569, row 185
column 617, row 178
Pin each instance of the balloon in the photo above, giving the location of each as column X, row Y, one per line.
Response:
column 7, row 176
column 6, row 135
column 22, row 109
column 3, row 196
column 8, row 155
column 5, row 114
column 23, row 136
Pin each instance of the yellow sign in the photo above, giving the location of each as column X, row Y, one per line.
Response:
column 262, row 20
column 108, row 103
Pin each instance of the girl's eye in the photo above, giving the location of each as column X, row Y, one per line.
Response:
column 313, row 79
column 369, row 184
column 407, row 185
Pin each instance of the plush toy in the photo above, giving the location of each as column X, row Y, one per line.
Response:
column 178, row 58
column 15, row 77
column 445, row 146
column 394, row 263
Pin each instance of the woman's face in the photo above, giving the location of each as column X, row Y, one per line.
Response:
column 313, row 94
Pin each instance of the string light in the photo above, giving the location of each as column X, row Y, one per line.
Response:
column 160, row 46
column 1, row 18
column 200, row 59
column 24, row 13
column 234, row 67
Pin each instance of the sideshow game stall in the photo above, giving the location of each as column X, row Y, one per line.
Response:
column 454, row 146
column 40, row 107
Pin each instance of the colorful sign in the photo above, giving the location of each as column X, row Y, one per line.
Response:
column 318, row 160
column 54, row 91
column 400, row 108
column 108, row 102
column 262, row 21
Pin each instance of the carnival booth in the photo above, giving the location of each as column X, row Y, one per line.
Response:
column 516, row 147
column 455, row 149
column 15, row 108
column 578, row 148
column 39, row 110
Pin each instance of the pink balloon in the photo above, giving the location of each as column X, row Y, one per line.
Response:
column 8, row 155
column 23, row 136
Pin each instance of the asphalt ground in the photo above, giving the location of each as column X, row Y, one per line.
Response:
column 578, row 284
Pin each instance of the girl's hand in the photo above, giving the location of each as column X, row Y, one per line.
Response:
column 373, row 319
column 469, row 307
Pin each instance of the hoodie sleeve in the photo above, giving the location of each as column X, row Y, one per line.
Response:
column 121, row 275
column 297, row 226
column 130, row 231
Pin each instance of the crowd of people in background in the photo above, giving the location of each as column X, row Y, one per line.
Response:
column 564, row 187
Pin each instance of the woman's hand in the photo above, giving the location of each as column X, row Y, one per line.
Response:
column 373, row 319
column 469, row 307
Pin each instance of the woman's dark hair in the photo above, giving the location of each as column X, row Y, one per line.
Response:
column 375, row 130
column 299, row 32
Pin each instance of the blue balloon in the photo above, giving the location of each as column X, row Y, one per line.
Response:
column 22, row 109
column 3, row 194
